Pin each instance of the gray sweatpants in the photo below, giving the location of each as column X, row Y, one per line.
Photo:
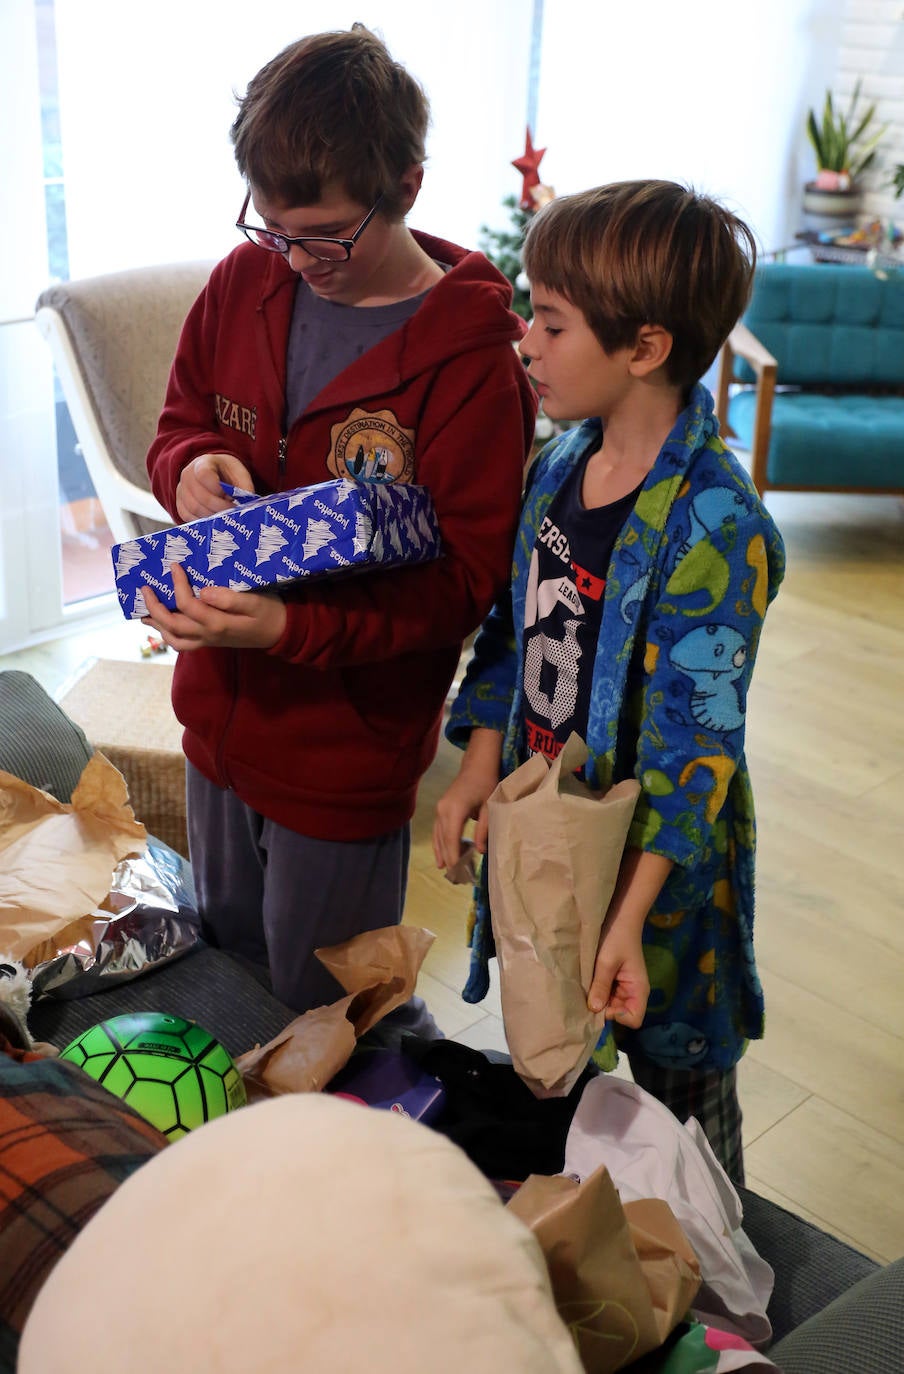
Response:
column 273, row 896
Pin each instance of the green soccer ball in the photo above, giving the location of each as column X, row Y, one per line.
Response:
column 172, row 1072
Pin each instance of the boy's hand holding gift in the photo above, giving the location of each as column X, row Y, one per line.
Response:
column 217, row 617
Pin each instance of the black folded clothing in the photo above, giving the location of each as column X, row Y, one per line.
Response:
column 495, row 1118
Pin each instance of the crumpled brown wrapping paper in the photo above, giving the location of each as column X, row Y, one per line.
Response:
column 56, row 859
column 554, row 852
column 623, row 1277
column 378, row 970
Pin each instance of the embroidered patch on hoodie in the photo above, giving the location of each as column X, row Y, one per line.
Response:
column 371, row 447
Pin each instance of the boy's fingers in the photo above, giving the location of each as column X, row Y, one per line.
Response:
column 446, row 842
column 600, row 991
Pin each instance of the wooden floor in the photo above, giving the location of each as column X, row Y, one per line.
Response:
column 823, row 1093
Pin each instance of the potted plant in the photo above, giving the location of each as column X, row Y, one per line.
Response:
column 845, row 146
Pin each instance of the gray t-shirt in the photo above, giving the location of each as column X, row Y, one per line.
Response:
column 324, row 338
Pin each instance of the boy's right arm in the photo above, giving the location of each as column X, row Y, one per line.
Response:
column 467, row 798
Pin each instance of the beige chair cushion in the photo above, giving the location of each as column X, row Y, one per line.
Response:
column 305, row 1232
column 125, row 327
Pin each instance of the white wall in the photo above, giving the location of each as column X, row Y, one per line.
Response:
column 872, row 48
column 707, row 92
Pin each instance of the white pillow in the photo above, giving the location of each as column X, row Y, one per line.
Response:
column 302, row 1233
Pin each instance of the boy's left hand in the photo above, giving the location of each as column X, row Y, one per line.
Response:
column 218, row 618
column 621, row 984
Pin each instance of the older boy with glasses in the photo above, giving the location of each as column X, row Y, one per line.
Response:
column 336, row 342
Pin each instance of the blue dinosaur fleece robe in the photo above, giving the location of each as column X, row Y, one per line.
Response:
column 693, row 570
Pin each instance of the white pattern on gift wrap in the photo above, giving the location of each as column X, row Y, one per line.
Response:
column 139, row 606
column 271, row 541
column 319, row 533
column 363, row 532
column 175, row 550
column 425, row 528
column 222, row 547
column 129, row 557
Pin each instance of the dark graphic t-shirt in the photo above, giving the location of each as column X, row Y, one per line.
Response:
column 563, row 613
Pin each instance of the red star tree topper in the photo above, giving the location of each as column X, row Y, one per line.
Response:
column 528, row 164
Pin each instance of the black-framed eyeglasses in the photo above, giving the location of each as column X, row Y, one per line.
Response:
column 315, row 245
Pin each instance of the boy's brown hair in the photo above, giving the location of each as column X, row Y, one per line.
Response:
column 333, row 107
column 647, row 252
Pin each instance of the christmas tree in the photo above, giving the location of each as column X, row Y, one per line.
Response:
column 503, row 248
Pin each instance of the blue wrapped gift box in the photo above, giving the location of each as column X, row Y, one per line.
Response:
column 263, row 541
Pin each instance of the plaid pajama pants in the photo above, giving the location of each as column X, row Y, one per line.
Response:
column 711, row 1096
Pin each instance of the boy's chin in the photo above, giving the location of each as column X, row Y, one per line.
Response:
column 560, row 416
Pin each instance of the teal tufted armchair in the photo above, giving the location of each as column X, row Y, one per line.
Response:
column 819, row 356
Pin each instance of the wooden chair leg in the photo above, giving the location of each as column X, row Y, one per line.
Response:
column 762, row 428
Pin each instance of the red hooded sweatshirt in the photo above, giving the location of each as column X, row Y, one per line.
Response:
column 329, row 732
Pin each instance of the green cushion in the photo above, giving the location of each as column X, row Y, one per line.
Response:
column 824, row 441
column 829, row 325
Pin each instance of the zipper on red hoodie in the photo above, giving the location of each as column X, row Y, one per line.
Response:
column 283, row 452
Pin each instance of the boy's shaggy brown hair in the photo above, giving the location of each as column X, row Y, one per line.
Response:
column 647, row 252
column 331, row 108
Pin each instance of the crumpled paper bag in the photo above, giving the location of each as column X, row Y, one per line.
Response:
column 56, row 859
column 554, row 852
column 623, row 1277
column 378, row 970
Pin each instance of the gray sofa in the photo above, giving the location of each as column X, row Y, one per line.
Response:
column 833, row 1310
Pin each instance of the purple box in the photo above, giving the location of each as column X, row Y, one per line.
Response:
column 391, row 1080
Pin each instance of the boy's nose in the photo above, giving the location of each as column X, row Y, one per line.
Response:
column 300, row 259
column 525, row 345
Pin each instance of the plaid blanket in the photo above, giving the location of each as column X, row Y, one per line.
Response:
column 66, row 1144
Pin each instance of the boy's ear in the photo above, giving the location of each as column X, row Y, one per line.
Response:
column 651, row 349
column 410, row 184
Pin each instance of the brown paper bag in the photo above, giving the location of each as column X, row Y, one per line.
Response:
column 379, row 971
column 554, row 853
column 620, row 1285
column 57, row 859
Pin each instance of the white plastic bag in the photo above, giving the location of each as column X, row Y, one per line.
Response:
column 649, row 1153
